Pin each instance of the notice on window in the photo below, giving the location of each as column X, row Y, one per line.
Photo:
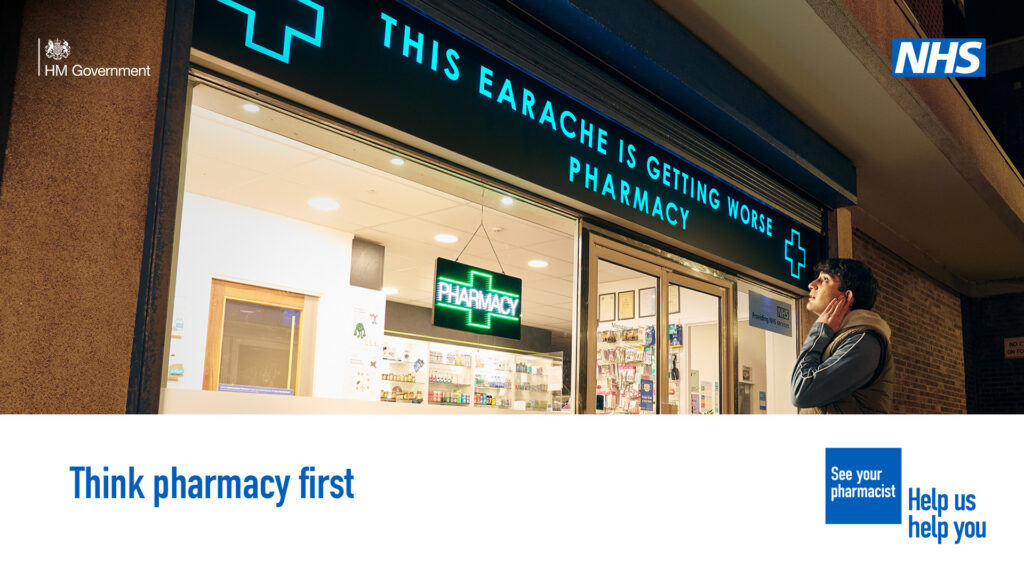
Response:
column 771, row 315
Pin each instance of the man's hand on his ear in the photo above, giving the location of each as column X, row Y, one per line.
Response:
column 836, row 311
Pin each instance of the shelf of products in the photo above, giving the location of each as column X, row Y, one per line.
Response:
column 454, row 398
column 407, row 397
column 451, row 375
column 625, row 359
column 402, row 377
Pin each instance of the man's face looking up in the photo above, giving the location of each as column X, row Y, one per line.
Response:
column 824, row 289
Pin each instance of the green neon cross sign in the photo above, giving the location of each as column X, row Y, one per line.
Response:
column 475, row 300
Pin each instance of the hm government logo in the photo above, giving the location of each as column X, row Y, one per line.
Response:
column 57, row 49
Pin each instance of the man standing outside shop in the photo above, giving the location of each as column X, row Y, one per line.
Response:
column 845, row 365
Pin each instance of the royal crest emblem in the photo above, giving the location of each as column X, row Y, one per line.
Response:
column 57, row 49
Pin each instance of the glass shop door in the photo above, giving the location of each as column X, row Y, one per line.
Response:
column 696, row 340
column 657, row 338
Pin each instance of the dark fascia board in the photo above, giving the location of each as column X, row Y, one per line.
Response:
column 649, row 47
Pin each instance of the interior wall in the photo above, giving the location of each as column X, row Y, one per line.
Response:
column 702, row 352
column 634, row 285
column 752, row 353
column 401, row 317
column 771, row 358
column 781, row 358
column 691, row 305
column 232, row 242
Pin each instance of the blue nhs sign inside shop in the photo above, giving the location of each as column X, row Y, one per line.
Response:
column 947, row 57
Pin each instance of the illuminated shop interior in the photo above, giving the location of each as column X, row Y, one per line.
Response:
column 306, row 273
column 281, row 219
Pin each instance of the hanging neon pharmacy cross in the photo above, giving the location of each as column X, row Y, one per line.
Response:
column 477, row 299
column 289, row 32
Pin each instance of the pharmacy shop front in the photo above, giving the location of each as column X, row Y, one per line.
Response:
column 418, row 208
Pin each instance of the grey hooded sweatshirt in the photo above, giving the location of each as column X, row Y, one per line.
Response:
column 846, row 371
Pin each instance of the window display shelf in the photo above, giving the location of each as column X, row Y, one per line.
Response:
column 401, row 379
column 478, row 377
column 402, row 396
column 523, row 378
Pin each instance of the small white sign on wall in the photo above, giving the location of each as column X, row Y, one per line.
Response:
column 1013, row 347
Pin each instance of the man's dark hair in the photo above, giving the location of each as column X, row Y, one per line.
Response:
column 855, row 276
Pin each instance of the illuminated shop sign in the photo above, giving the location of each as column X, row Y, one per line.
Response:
column 387, row 61
column 477, row 300
column 288, row 33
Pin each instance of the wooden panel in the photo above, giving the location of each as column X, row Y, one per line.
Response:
column 221, row 291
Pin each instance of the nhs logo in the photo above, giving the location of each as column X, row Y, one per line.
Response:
column 949, row 57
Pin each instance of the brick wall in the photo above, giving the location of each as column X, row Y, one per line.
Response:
column 994, row 384
column 929, row 14
column 927, row 332
column 945, row 18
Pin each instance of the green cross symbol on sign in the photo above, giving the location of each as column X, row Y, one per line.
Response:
column 480, row 283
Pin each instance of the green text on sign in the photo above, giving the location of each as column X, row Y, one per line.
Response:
column 476, row 300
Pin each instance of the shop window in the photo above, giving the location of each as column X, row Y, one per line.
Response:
column 275, row 199
column 694, row 338
column 660, row 337
column 468, row 376
column 767, row 323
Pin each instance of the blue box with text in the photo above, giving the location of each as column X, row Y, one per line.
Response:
column 930, row 58
column 863, row 485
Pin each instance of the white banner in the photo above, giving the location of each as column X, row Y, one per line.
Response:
column 484, row 495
